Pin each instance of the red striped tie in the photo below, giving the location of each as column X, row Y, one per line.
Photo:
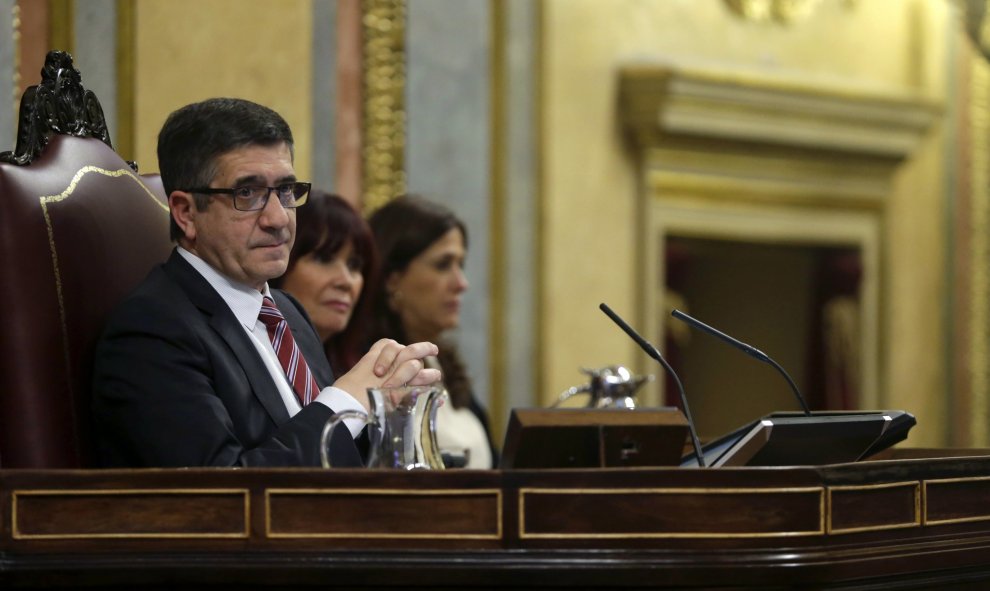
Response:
column 294, row 364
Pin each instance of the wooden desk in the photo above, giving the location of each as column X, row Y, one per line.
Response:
column 901, row 523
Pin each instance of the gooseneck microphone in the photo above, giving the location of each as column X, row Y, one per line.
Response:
column 652, row 352
column 747, row 349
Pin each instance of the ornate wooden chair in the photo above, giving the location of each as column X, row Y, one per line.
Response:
column 78, row 230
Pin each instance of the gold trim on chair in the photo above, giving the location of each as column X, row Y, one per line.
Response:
column 49, row 199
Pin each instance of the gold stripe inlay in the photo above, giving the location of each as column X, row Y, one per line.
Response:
column 126, row 55
column 523, row 492
column 497, row 221
column 18, row 535
column 916, row 522
column 68, row 192
column 495, row 493
column 62, row 25
column 979, row 219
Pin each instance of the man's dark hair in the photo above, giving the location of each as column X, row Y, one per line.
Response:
column 194, row 136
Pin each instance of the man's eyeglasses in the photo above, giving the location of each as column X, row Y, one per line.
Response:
column 255, row 197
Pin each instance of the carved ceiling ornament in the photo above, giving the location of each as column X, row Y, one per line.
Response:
column 977, row 24
column 57, row 105
column 779, row 11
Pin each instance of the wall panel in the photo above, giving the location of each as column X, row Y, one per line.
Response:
column 190, row 50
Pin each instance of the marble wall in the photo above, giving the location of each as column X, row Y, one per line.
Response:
column 513, row 121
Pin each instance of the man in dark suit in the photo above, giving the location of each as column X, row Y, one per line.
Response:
column 201, row 365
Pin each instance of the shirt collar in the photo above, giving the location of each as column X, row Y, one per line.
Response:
column 244, row 301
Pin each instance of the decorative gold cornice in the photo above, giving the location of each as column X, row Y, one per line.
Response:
column 384, row 117
column 661, row 101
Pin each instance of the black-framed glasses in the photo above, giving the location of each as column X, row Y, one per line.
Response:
column 255, row 197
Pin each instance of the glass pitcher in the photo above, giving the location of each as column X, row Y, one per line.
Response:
column 401, row 428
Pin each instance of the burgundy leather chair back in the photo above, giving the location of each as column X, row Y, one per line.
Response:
column 78, row 231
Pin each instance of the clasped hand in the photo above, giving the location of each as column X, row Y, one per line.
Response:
column 389, row 364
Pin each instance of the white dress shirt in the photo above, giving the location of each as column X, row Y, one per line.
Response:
column 245, row 303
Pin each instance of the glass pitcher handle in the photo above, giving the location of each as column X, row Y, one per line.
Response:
column 332, row 423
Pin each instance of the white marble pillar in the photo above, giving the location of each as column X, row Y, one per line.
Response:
column 95, row 55
column 324, row 91
column 448, row 143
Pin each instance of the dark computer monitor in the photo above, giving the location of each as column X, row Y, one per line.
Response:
column 796, row 439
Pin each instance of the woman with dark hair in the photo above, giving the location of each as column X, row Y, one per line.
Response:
column 422, row 247
column 330, row 267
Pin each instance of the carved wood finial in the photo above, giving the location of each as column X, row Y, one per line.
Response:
column 58, row 105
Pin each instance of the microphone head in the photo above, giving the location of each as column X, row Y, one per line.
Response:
column 643, row 343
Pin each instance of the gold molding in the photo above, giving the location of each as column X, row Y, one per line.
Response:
column 383, row 117
column 69, row 190
column 63, row 19
column 495, row 493
column 783, row 178
column 663, row 102
column 979, row 219
column 17, row 535
column 669, row 212
column 497, row 222
column 126, row 69
column 538, row 276
column 917, row 522
column 672, row 491
column 924, row 515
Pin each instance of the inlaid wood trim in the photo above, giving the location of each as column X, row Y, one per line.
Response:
column 494, row 495
column 527, row 532
column 914, row 521
column 21, row 512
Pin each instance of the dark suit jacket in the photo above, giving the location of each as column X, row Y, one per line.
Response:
column 178, row 382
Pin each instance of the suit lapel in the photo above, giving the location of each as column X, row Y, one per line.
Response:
column 223, row 321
